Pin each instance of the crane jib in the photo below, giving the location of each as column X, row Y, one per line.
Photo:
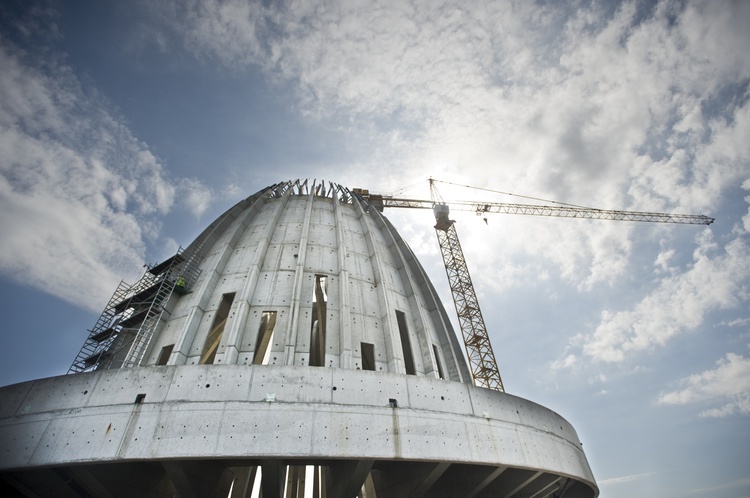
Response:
column 479, row 351
column 554, row 211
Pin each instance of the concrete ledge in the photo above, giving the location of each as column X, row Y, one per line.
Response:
column 277, row 412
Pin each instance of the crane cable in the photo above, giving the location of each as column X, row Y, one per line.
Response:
column 404, row 189
column 518, row 195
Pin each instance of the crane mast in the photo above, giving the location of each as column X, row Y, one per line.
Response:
column 476, row 339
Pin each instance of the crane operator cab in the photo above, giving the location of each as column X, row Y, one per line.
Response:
column 441, row 216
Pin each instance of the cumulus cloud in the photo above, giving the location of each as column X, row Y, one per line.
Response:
column 727, row 385
column 612, row 107
column 79, row 194
column 194, row 195
column 568, row 361
column 717, row 279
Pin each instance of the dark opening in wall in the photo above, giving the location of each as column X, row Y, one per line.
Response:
column 217, row 329
column 318, row 326
column 166, row 351
column 368, row 356
column 437, row 361
column 405, row 344
column 265, row 336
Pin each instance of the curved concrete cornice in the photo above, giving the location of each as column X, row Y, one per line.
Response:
column 235, row 412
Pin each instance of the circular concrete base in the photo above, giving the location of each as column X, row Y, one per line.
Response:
column 196, row 430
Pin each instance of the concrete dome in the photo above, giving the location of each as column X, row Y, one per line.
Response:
column 308, row 275
column 297, row 339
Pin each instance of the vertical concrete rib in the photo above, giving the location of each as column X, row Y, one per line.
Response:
column 290, row 338
column 208, row 280
column 394, row 353
column 421, row 330
column 237, row 327
column 345, row 317
column 449, row 344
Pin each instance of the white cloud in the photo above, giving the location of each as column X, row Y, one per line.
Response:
column 717, row 279
column 727, row 384
column 662, row 261
column 587, row 85
column 227, row 30
column 194, row 195
column 582, row 105
column 78, row 193
column 567, row 362
column 574, row 104
column 740, row 322
column 623, row 479
column 586, row 105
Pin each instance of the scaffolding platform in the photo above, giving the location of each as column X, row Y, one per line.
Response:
column 133, row 320
column 96, row 358
column 103, row 335
column 166, row 264
column 140, row 297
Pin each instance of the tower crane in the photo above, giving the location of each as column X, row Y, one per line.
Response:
column 479, row 351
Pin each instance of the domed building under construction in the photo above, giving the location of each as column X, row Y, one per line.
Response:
column 295, row 349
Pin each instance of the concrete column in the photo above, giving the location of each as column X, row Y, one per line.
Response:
column 198, row 479
column 348, row 477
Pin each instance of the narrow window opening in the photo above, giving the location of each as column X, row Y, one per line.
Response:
column 265, row 336
column 217, row 329
column 166, row 351
column 437, row 361
column 368, row 356
column 405, row 344
column 318, row 325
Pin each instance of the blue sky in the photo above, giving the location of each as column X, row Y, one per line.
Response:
column 127, row 127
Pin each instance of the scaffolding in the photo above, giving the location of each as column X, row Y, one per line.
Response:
column 121, row 335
